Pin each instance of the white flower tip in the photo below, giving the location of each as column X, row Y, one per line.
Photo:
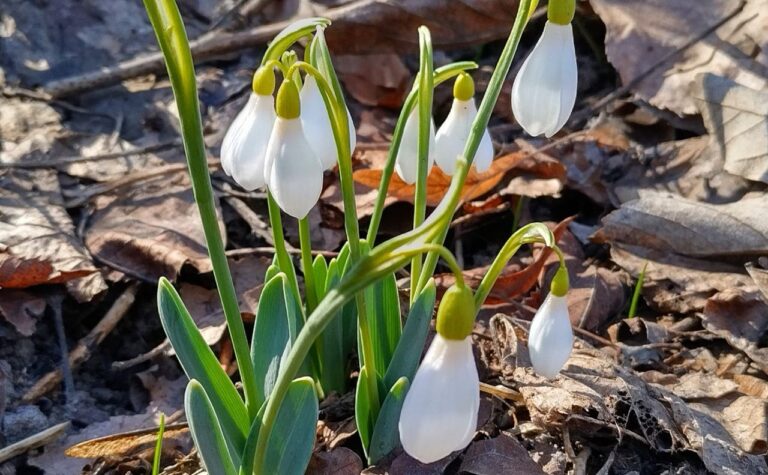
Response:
column 544, row 91
column 439, row 414
column 550, row 339
column 294, row 174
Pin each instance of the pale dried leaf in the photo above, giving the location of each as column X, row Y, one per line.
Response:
column 673, row 224
column 36, row 227
column 149, row 230
column 697, row 385
column 737, row 118
column 652, row 29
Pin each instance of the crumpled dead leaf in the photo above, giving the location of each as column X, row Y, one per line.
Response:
column 737, row 117
column 673, row 224
column 149, row 230
column 652, row 29
column 39, row 245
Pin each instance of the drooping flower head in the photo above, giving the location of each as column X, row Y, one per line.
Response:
column 544, row 90
column 293, row 173
column 452, row 136
column 551, row 337
column 439, row 414
column 245, row 143
column 407, row 160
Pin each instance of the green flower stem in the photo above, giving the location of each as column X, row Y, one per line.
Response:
column 306, row 264
column 426, row 87
column 340, row 127
column 531, row 233
column 381, row 261
column 441, row 75
column 172, row 37
column 481, row 120
column 284, row 260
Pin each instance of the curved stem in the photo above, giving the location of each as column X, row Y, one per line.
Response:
column 442, row 74
column 483, row 116
column 284, row 260
column 172, row 37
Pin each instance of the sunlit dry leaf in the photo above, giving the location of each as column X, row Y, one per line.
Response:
column 39, row 245
column 476, row 184
column 737, row 118
column 124, row 443
column 652, row 29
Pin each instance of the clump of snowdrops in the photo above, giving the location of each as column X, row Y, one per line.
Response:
column 294, row 127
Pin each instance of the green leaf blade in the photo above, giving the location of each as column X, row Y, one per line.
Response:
column 386, row 435
column 206, row 431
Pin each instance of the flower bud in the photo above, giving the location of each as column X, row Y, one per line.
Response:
column 550, row 339
column 407, row 160
column 452, row 136
column 544, row 90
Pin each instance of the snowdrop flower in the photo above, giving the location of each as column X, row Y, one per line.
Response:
column 544, row 90
column 407, row 160
column 245, row 143
column 439, row 413
column 317, row 124
column 293, row 173
column 453, row 134
column 551, row 337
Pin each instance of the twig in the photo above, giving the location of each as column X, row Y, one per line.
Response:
column 32, row 442
column 150, row 355
column 86, row 345
column 605, row 101
column 60, row 161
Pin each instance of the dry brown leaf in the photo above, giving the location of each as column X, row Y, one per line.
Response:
column 652, row 29
column 698, row 385
column 21, row 309
column 741, row 317
column 678, row 284
column 387, row 26
column 476, row 184
column 339, row 461
column 502, row 454
column 673, row 224
column 689, row 168
column 760, row 277
column 149, row 230
column 737, row 118
column 38, row 239
column 745, row 418
column 374, row 79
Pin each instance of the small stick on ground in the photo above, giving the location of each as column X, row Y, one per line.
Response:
column 32, row 442
column 86, row 345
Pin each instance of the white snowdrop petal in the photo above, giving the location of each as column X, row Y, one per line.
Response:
column 247, row 166
column 233, row 133
column 407, row 162
column 485, row 153
column 439, row 413
column 544, row 90
column 295, row 173
column 452, row 135
column 317, row 124
column 551, row 337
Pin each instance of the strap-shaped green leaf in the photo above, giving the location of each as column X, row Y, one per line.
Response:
column 385, row 435
column 334, row 355
column 200, row 363
column 206, row 431
column 277, row 324
column 383, row 304
column 292, row 439
column 405, row 360
column 272, row 270
column 320, row 269
column 363, row 416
